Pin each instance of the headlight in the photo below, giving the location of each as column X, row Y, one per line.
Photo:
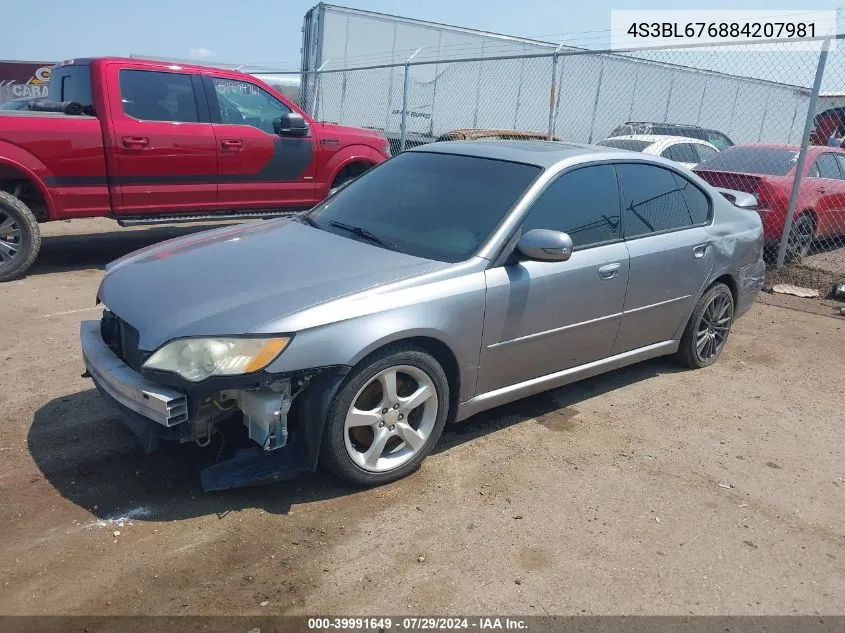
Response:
column 196, row 359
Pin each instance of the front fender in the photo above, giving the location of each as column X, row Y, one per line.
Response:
column 18, row 159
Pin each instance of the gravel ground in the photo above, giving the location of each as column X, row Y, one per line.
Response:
column 648, row 490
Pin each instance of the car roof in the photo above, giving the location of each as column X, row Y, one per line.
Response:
column 659, row 138
column 157, row 64
column 790, row 148
column 540, row 153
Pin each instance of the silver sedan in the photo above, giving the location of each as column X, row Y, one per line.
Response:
column 451, row 279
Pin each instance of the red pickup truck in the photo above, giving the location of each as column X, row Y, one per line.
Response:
column 155, row 142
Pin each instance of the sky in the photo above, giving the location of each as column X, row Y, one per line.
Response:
column 264, row 32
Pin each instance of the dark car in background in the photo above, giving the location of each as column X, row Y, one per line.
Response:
column 716, row 138
column 825, row 124
column 768, row 171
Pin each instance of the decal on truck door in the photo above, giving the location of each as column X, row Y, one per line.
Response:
column 291, row 157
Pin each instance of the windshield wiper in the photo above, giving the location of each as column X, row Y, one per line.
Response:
column 362, row 232
column 307, row 220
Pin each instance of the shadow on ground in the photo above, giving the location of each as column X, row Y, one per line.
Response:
column 82, row 449
column 60, row 253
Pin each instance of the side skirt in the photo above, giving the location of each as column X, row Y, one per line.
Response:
column 527, row 388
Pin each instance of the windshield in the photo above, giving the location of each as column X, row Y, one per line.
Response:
column 718, row 140
column 436, row 206
column 752, row 160
column 625, row 143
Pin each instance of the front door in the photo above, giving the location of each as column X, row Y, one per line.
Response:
column 164, row 144
column 257, row 167
column 543, row 317
column 826, row 177
column 664, row 216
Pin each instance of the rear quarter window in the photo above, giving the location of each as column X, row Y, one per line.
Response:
column 71, row 83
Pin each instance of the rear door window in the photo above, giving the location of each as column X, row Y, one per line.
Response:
column 150, row 95
column 704, row 152
column 655, row 199
column 682, row 153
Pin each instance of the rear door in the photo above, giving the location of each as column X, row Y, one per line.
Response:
column 163, row 141
column 257, row 167
column 664, row 219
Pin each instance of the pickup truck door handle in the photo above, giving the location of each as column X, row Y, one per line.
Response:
column 699, row 251
column 233, row 145
column 135, row 142
column 609, row 271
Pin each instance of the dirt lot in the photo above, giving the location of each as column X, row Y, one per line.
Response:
column 648, row 490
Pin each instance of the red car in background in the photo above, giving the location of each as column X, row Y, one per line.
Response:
column 768, row 171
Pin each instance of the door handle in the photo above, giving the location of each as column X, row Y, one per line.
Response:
column 699, row 251
column 233, row 145
column 609, row 271
column 135, row 142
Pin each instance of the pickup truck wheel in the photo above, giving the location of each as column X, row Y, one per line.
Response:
column 20, row 238
column 386, row 417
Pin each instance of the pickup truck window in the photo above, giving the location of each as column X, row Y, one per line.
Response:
column 158, row 96
column 243, row 103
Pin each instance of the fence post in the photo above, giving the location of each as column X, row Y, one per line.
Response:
column 802, row 155
column 403, row 130
column 318, row 77
column 552, row 93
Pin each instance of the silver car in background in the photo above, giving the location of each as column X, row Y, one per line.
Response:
column 451, row 279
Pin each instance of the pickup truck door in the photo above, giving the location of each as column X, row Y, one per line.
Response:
column 163, row 141
column 257, row 167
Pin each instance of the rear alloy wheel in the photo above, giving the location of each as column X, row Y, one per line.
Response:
column 708, row 328
column 386, row 419
column 800, row 238
column 20, row 239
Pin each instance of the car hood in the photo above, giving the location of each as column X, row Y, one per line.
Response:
column 231, row 281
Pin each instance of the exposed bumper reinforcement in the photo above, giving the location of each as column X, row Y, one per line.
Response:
column 163, row 405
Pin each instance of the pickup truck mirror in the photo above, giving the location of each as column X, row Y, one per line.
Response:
column 290, row 124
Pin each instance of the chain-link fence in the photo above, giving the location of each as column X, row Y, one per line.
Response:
column 744, row 117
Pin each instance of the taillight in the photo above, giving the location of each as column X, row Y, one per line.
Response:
column 767, row 196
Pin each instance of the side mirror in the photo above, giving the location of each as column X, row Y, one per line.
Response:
column 545, row 245
column 290, row 124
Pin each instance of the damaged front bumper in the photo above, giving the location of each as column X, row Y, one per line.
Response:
column 159, row 413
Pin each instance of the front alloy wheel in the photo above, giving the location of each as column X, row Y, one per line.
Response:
column 390, row 419
column 386, row 417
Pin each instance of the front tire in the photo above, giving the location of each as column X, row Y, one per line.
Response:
column 708, row 328
column 20, row 238
column 386, row 418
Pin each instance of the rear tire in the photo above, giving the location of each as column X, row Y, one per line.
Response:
column 20, row 237
column 708, row 328
column 800, row 240
column 364, row 439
